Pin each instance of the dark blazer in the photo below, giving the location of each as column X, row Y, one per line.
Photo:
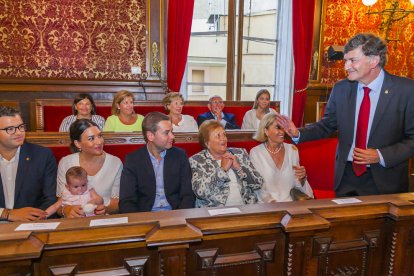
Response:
column 392, row 130
column 35, row 178
column 228, row 117
column 137, row 191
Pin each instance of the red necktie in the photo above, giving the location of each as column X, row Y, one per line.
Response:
column 362, row 130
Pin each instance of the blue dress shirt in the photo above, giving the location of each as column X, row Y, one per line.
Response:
column 160, row 203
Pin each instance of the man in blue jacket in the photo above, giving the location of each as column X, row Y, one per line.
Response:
column 216, row 105
column 157, row 176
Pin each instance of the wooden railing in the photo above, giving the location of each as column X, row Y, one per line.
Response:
column 318, row 237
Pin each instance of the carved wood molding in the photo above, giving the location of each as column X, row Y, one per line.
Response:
column 210, row 259
column 136, row 266
column 359, row 252
column 132, row 266
column 62, row 139
column 63, row 270
column 173, row 259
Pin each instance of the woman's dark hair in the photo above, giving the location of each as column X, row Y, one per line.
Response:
column 75, row 131
column 81, row 97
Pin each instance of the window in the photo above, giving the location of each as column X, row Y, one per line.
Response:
column 235, row 63
column 198, row 77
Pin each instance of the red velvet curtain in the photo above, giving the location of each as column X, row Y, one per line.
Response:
column 180, row 17
column 303, row 13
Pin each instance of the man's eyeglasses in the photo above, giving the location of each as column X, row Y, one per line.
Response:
column 12, row 129
column 217, row 102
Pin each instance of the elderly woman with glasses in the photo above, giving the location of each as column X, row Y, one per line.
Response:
column 278, row 163
column 222, row 176
column 173, row 103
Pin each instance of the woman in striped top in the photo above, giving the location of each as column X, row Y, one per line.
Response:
column 83, row 107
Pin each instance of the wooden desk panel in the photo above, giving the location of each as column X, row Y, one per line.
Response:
column 316, row 237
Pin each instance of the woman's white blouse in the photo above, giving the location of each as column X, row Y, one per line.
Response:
column 277, row 182
column 250, row 120
column 187, row 123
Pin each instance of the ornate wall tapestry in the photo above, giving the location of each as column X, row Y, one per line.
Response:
column 71, row 39
column 345, row 18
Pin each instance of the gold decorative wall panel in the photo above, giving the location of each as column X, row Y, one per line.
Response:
column 345, row 18
column 72, row 39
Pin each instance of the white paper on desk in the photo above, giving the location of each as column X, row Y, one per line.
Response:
column 224, row 211
column 37, row 226
column 111, row 221
column 346, row 200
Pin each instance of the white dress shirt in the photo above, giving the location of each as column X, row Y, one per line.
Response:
column 8, row 170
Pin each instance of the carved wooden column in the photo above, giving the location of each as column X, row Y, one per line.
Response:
column 173, row 260
column 398, row 259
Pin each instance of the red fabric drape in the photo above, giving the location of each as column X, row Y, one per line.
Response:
column 303, row 13
column 180, row 17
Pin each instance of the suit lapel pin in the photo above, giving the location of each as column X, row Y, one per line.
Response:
column 386, row 91
column 27, row 158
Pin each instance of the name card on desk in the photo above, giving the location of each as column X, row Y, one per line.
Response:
column 37, row 226
column 346, row 200
column 111, row 221
column 224, row 211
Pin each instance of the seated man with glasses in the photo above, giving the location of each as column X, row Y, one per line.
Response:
column 28, row 172
column 216, row 105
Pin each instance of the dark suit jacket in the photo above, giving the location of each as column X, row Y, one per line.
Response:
column 228, row 117
column 392, row 130
column 137, row 191
column 35, row 179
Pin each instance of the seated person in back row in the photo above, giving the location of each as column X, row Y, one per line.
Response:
column 83, row 107
column 76, row 192
column 173, row 103
column 216, row 105
column 157, row 176
column 28, row 172
column 123, row 118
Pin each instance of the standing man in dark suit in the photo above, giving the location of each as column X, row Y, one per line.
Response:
column 157, row 176
column 28, row 172
column 389, row 128
column 216, row 105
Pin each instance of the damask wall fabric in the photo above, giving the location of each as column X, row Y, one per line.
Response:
column 345, row 18
column 71, row 39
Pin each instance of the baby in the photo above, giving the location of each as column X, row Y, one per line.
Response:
column 76, row 193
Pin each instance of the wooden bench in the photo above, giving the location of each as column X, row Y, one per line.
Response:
column 317, row 156
column 14, row 104
column 314, row 237
column 49, row 113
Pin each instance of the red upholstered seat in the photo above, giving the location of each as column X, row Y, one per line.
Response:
column 317, row 156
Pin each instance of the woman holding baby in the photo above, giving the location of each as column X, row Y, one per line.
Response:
column 103, row 169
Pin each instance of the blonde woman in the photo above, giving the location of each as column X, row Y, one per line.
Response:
column 173, row 103
column 261, row 107
column 123, row 118
column 278, row 163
